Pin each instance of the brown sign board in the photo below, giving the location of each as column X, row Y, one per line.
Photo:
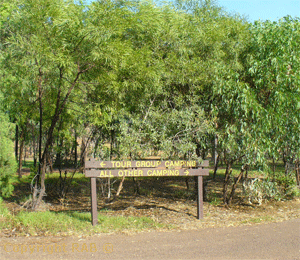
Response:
column 145, row 172
column 145, row 168
column 176, row 164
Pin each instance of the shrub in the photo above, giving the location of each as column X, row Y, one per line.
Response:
column 8, row 165
column 278, row 187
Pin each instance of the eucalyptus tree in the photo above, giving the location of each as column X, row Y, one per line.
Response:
column 50, row 48
column 197, row 66
column 273, row 65
column 7, row 159
column 160, row 113
column 260, row 115
column 218, row 42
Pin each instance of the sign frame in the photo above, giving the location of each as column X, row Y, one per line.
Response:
column 144, row 168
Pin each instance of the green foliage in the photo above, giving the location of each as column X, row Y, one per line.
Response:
column 136, row 79
column 287, row 184
column 272, row 73
column 8, row 164
column 277, row 187
column 163, row 131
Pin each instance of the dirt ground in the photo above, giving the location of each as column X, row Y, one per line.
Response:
column 167, row 201
column 265, row 241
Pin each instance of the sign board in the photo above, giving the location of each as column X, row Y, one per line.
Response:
column 144, row 168
column 145, row 172
column 143, row 164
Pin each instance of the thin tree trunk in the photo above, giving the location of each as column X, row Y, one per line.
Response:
column 216, row 166
column 120, row 186
column 37, row 191
column 17, row 142
column 246, row 173
column 21, row 157
column 25, row 154
column 108, row 189
column 226, row 182
column 229, row 200
column 297, row 166
column 34, row 151
column 75, row 148
column 83, row 151
column 187, row 183
column 274, row 166
column 96, row 147
column 41, row 193
column 40, row 133
column 215, row 153
column 137, row 185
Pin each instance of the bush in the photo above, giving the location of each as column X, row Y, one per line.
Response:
column 278, row 187
column 287, row 183
column 8, row 165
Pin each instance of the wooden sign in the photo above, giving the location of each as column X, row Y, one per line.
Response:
column 143, row 164
column 145, row 172
column 145, row 168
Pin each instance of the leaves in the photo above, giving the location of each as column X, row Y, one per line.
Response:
column 159, row 79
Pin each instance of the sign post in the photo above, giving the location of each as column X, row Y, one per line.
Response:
column 199, row 197
column 145, row 168
column 94, row 201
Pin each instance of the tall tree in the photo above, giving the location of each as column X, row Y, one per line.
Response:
column 273, row 76
column 50, row 46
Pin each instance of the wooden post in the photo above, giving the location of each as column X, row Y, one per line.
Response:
column 200, row 198
column 94, row 201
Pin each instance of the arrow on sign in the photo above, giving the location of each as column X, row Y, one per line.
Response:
column 102, row 164
column 187, row 172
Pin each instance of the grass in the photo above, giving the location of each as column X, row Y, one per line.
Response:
column 28, row 164
column 70, row 223
column 5, row 216
column 55, row 175
column 257, row 220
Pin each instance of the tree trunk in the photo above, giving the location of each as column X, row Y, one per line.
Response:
column 274, row 165
column 246, row 171
column 297, row 166
column 17, row 142
column 58, row 160
column 216, row 166
column 137, row 185
column 96, row 147
column 21, row 157
column 120, row 186
column 83, row 151
column 34, row 151
column 38, row 192
column 229, row 200
column 226, row 182
column 215, row 153
column 25, row 154
column 108, row 189
column 40, row 133
column 187, row 183
column 75, row 148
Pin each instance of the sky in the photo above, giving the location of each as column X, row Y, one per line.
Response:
column 262, row 9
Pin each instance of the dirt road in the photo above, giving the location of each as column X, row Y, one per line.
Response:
column 262, row 241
